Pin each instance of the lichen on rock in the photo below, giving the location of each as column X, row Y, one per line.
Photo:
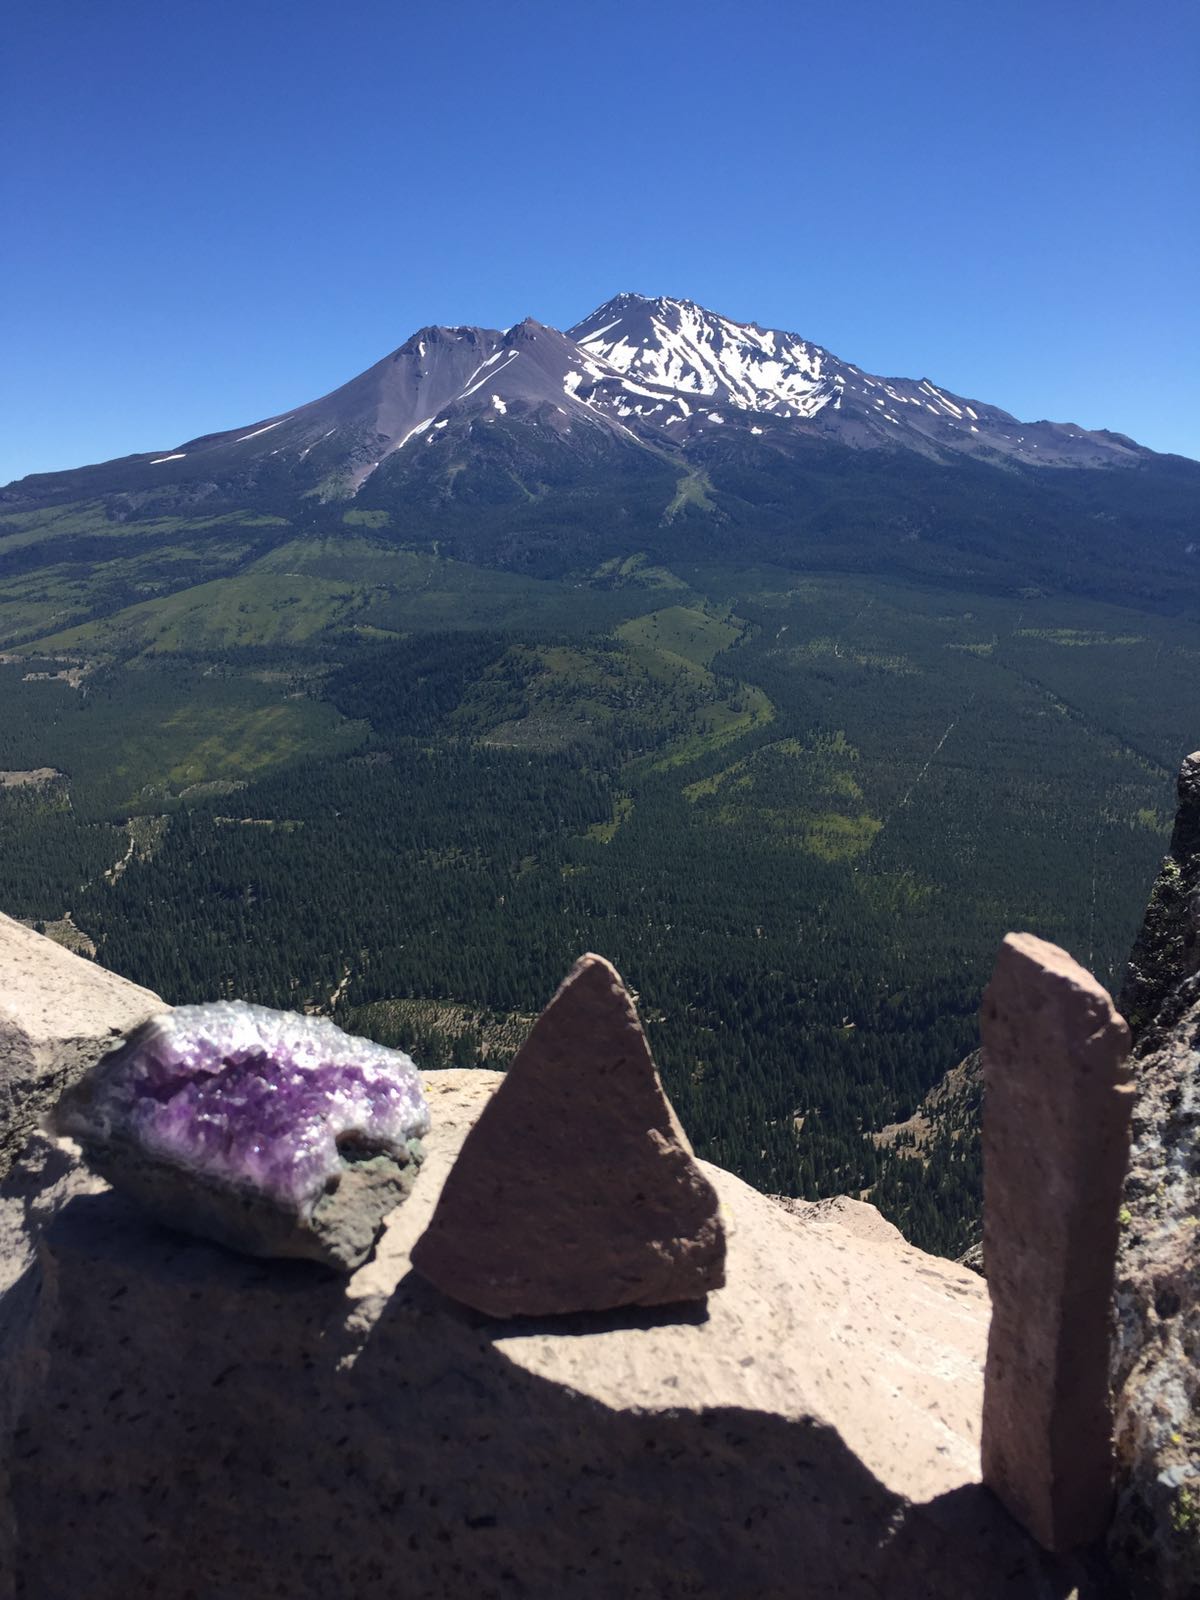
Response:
column 273, row 1133
column 1167, row 950
column 1155, row 1538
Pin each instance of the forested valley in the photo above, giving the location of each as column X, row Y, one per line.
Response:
column 798, row 811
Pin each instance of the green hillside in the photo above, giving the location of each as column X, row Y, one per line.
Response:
column 799, row 808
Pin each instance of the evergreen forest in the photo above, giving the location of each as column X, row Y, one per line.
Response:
column 797, row 807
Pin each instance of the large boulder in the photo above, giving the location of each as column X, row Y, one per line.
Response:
column 183, row 1421
column 58, row 1015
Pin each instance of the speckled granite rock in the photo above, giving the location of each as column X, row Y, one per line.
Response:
column 203, row 1424
column 270, row 1132
column 1155, row 1538
column 58, row 1015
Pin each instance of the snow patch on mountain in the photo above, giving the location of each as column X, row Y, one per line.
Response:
column 676, row 347
column 265, row 429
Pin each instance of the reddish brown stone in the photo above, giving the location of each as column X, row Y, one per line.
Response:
column 1057, row 1102
column 576, row 1190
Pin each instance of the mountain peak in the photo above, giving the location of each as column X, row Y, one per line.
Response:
column 647, row 371
column 687, row 370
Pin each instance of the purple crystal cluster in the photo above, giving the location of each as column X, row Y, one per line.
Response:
column 254, row 1098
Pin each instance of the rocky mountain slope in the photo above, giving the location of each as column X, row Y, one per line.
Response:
column 684, row 371
column 652, row 374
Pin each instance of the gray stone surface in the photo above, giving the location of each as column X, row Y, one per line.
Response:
column 1156, row 1533
column 1057, row 1102
column 1155, row 1538
column 183, row 1422
column 577, row 1189
column 339, row 1232
column 58, row 1015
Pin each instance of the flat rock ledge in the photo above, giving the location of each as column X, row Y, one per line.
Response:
column 205, row 1424
column 58, row 1015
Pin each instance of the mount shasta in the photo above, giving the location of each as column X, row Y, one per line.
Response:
column 656, row 421
column 655, row 374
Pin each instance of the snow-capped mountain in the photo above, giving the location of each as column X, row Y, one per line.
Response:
column 677, row 361
column 663, row 376
column 684, row 371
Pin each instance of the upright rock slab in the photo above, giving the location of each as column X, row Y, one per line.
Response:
column 577, row 1189
column 58, row 1016
column 1057, row 1103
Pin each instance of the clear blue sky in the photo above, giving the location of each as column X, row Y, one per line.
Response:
column 218, row 209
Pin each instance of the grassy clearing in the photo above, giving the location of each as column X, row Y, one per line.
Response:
column 143, row 735
column 1075, row 638
column 569, row 692
column 41, row 604
column 691, row 635
column 827, row 756
column 801, row 792
column 879, row 661
column 257, row 609
column 973, row 649
column 242, row 742
column 20, row 530
column 636, row 569
column 833, row 836
column 418, row 1024
column 23, row 619
column 694, row 490
column 605, row 832
column 745, row 711
column 427, row 593
column 1154, row 821
column 365, row 519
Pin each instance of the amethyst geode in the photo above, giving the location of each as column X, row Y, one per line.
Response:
column 273, row 1133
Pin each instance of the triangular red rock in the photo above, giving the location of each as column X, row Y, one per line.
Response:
column 576, row 1190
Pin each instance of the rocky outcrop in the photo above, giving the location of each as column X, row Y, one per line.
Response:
column 204, row 1424
column 577, row 1189
column 946, row 1113
column 58, row 1015
column 1167, row 950
column 1155, row 1537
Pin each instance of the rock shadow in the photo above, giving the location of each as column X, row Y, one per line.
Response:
column 206, row 1427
